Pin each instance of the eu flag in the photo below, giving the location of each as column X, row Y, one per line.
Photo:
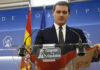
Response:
column 43, row 19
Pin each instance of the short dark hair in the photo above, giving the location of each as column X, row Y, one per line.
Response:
column 61, row 3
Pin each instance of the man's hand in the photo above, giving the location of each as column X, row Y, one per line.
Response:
column 96, row 56
column 97, row 46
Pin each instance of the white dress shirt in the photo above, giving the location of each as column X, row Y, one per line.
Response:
column 63, row 30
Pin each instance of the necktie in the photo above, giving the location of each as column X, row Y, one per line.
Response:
column 61, row 40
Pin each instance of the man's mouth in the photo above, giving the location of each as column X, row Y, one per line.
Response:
column 61, row 18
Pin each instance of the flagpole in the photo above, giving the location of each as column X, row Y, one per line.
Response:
column 30, row 4
column 44, row 6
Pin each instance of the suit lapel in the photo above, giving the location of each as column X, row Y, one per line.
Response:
column 68, row 35
column 54, row 34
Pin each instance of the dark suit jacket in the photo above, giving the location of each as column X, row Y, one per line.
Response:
column 48, row 36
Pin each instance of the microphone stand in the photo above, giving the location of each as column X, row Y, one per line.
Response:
column 80, row 49
column 23, row 50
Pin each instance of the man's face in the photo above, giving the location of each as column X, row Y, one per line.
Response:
column 61, row 14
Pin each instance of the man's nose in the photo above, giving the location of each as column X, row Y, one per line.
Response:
column 61, row 14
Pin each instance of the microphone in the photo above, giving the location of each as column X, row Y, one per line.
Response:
column 80, row 49
column 23, row 50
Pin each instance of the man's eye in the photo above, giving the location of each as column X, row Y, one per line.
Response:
column 64, row 12
column 58, row 12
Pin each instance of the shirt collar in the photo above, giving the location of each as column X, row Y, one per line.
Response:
column 57, row 26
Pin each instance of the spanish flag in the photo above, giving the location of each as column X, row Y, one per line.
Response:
column 26, row 62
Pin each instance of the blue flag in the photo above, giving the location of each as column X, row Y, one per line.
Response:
column 43, row 19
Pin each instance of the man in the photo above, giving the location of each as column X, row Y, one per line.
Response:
column 60, row 33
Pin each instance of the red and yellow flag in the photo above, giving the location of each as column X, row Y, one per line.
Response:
column 26, row 62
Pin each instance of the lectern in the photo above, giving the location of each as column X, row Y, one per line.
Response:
column 61, row 60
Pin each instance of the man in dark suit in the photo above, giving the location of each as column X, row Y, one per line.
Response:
column 61, row 12
column 60, row 30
